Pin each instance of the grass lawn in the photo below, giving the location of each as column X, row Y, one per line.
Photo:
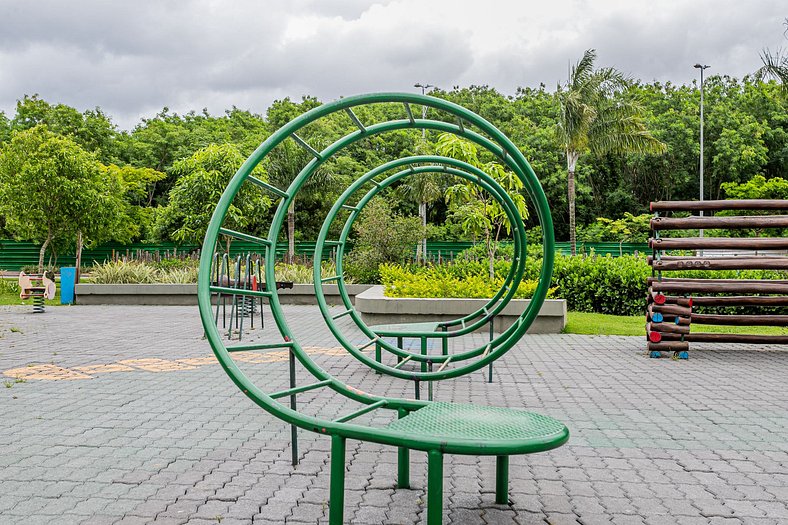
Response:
column 603, row 324
column 13, row 298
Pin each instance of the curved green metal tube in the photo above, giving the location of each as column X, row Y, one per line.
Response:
column 477, row 176
column 499, row 145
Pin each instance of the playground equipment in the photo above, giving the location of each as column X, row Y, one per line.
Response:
column 43, row 289
column 244, row 274
column 422, row 331
column 673, row 303
column 433, row 427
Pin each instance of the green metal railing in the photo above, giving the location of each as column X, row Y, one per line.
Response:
column 16, row 254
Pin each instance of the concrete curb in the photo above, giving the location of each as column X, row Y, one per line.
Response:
column 186, row 294
column 375, row 308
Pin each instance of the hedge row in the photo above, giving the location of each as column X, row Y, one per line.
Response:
column 609, row 285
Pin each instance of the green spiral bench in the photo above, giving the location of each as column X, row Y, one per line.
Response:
column 437, row 428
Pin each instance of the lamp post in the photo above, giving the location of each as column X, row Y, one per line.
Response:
column 701, row 67
column 424, row 88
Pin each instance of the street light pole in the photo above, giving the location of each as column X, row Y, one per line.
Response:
column 701, row 67
column 424, row 88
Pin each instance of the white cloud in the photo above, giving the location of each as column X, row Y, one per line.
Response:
column 133, row 58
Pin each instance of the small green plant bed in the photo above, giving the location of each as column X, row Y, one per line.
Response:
column 603, row 324
column 446, row 281
column 185, row 272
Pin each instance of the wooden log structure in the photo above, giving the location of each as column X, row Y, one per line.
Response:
column 697, row 286
column 741, row 300
column 660, row 298
column 669, row 346
column 719, row 243
column 669, row 263
column 720, row 205
column 668, row 327
column 727, row 223
column 670, row 314
column 725, row 338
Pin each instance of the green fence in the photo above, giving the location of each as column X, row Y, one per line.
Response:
column 14, row 255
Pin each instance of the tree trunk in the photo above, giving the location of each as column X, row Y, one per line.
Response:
column 79, row 256
column 42, row 252
column 423, row 215
column 291, row 232
column 571, row 162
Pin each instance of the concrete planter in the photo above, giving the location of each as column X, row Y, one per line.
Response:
column 375, row 309
column 186, row 294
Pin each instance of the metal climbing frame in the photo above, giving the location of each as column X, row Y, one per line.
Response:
column 436, row 428
column 466, row 324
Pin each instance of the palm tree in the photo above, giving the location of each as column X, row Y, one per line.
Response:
column 596, row 117
column 775, row 65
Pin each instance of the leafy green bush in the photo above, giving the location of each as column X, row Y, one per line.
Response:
column 608, row 285
column 383, row 237
column 441, row 281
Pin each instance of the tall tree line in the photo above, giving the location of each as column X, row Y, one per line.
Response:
column 746, row 134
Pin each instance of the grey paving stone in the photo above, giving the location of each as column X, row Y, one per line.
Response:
column 182, row 446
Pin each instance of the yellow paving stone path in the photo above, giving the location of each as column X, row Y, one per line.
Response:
column 50, row 372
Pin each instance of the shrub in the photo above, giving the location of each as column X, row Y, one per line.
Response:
column 442, row 281
column 608, row 285
column 121, row 272
column 383, row 237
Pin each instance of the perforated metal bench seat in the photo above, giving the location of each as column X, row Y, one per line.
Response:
column 476, row 429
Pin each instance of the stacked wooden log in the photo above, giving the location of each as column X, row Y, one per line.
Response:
column 673, row 302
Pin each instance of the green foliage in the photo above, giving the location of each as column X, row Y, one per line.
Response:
column 481, row 215
column 138, row 272
column 51, row 189
column 608, row 285
column 303, row 273
column 122, row 272
column 757, row 187
column 443, row 282
column 8, row 286
column 600, row 116
column 382, row 237
column 629, row 228
column 203, row 178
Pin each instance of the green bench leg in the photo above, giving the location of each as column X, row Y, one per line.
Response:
column 424, row 352
column 403, row 460
column 377, row 356
column 434, row 487
column 502, row 480
column 336, row 502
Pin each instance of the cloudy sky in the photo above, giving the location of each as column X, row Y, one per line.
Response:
column 133, row 57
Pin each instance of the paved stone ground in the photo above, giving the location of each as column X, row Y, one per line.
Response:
column 121, row 415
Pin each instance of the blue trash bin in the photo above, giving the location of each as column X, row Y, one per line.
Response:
column 68, row 276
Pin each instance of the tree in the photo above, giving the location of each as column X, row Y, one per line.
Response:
column 54, row 192
column 478, row 212
column 597, row 117
column 202, row 178
column 284, row 164
column 382, row 236
column 92, row 130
